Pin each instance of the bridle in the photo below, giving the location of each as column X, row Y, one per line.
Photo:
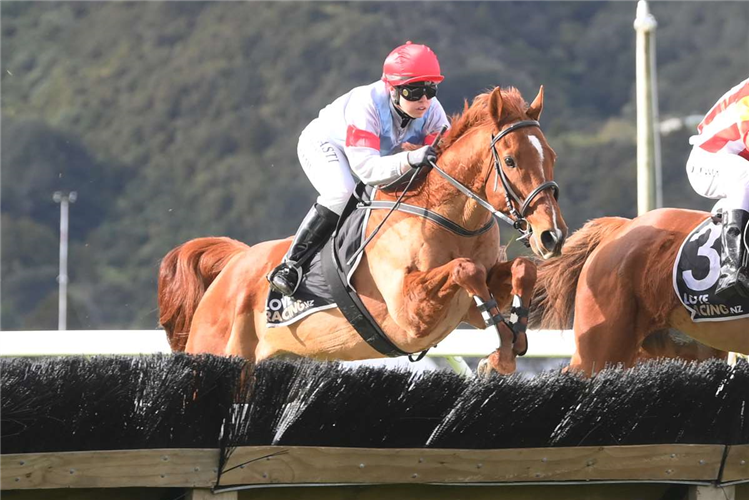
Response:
column 517, row 217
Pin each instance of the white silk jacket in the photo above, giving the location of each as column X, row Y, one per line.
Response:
column 365, row 126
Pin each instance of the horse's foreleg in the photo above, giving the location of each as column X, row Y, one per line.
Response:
column 425, row 293
column 520, row 274
column 511, row 281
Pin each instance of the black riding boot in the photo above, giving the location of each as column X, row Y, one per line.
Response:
column 733, row 261
column 312, row 234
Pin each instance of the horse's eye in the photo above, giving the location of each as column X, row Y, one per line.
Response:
column 510, row 161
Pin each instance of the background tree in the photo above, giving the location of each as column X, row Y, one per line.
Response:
column 175, row 120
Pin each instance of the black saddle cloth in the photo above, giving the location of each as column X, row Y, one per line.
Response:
column 696, row 273
column 313, row 293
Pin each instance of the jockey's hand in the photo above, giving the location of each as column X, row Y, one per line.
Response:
column 422, row 157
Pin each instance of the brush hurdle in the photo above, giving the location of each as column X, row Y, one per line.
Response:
column 180, row 426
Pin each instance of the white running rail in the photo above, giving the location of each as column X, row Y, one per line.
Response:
column 462, row 342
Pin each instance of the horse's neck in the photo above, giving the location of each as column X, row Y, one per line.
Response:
column 440, row 196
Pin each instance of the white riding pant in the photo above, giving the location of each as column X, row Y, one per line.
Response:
column 328, row 170
column 720, row 176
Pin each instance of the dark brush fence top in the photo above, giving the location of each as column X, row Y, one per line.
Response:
column 183, row 401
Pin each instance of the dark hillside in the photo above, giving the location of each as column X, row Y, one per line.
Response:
column 175, row 120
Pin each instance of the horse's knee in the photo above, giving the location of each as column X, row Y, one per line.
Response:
column 524, row 271
column 467, row 272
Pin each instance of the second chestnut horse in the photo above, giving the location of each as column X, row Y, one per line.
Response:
column 614, row 285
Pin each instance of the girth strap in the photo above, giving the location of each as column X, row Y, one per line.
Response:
column 352, row 307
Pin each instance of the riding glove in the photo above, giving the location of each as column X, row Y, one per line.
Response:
column 422, row 157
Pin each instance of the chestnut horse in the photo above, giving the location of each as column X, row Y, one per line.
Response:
column 417, row 279
column 614, row 285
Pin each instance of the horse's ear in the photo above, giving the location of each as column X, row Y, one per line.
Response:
column 534, row 111
column 495, row 105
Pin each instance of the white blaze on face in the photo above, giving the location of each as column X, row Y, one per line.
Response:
column 537, row 144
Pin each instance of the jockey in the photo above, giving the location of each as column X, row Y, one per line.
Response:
column 718, row 167
column 361, row 133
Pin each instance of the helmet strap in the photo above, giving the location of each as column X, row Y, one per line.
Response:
column 395, row 104
column 405, row 117
column 395, row 96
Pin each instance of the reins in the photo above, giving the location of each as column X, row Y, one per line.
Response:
column 393, row 209
column 516, row 218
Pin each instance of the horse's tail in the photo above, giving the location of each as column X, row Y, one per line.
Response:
column 184, row 275
column 554, row 294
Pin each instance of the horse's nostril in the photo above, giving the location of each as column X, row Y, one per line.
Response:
column 549, row 240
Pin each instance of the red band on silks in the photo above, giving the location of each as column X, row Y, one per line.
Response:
column 721, row 138
column 745, row 154
column 726, row 101
column 429, row 140
column 361, row 138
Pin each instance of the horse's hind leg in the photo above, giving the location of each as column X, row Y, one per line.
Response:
column 224, row 325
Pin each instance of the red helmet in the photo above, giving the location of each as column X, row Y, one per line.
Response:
column 411, row 63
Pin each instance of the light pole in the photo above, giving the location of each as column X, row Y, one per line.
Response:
column 648, row 140
column 64, row 200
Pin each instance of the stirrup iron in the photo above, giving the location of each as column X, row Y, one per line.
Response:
column 285, row 266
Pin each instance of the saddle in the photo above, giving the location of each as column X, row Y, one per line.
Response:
column 696, row 273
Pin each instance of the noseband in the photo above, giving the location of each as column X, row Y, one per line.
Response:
column 517, row 218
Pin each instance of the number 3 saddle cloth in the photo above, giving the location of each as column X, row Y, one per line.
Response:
column 696, row 273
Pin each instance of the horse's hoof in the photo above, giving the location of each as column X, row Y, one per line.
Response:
column 484, row 369
column 524, row 342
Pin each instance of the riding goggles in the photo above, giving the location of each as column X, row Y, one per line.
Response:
column 416, row 92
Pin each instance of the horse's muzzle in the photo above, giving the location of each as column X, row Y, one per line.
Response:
column 551, row 242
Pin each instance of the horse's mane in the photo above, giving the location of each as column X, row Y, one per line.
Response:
column 477, row 114
column 514, row 107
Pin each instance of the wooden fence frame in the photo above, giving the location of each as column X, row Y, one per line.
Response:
column 262, row 466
